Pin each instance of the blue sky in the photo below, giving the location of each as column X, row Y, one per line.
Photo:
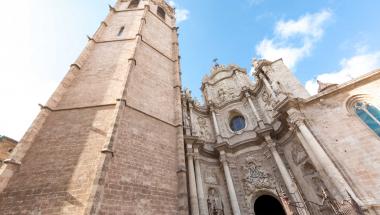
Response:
column 332, row 40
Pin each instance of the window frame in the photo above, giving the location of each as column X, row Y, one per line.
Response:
column 351, row 106
column 234, row 116
column 121, row 31
column 161, row 13
column 133, row 5
column 363, row 106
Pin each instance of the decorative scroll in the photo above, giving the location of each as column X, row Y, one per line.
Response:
column 256, row 178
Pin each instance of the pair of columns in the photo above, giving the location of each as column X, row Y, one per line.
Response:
column 289, row 183
column 197, row 195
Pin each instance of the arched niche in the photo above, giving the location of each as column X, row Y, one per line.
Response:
column 268, row 205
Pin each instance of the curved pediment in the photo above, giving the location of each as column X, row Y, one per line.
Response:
column 220, row 72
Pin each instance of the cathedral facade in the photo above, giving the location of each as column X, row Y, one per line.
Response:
column 258, row 144
column 121, row 135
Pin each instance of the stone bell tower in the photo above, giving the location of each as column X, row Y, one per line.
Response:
column 110, row 139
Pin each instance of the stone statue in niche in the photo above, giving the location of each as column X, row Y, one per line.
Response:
column 185, row 116
column 267, row 99
column 187, row 93
column 203, row 131
column 214, row 203
column 256, row 178
column 279, row 89
column 308, row 169
column 298, row 154
column 210, row 177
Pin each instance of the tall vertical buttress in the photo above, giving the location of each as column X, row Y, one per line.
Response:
column 109, row 140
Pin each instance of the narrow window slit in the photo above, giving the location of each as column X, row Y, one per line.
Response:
column 121, row 31
column 161, row 13
column 134, row 4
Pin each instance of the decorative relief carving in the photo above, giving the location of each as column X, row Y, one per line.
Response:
column 279, row 90
column 268, row 101
column 204, row 128
column 210, row 177
column 214, row 203
column 256, row 178
column 298, row 154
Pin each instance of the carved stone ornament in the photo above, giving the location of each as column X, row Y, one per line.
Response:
column 298, row 154
column 203, row 128
column 256, row 178
column 268, row 101
column 185, row 117
column 211, row 178
column 214, row 203
column 296, row 118
column 221, row 95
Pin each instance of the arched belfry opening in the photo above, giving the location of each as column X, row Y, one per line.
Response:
column 268, row 205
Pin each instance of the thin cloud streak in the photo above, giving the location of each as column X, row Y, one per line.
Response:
column 309, row 29
column 181, row 13
column 350, row 68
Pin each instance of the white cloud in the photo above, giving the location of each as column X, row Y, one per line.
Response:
column 308, row 29
column 310, row 25
column 350, row 68
column 181, row 14
column 254, row 2
column 23, row 82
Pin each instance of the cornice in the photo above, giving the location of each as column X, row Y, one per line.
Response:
column 375, row 75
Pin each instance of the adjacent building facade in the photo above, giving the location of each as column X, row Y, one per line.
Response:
column 120, row 136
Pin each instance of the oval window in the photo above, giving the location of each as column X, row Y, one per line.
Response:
column 237, row 123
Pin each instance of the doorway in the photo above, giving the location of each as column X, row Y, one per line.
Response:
column 268, row 205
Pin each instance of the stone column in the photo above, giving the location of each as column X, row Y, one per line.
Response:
column 230, row 184
column 289, row 183
column 215, row 122
column 254, row 110
column 320, row 159
column 194, row 130
column 268, row 86
column 252, row 106
column 216, row 126
column 198, row 175
column 192, row 181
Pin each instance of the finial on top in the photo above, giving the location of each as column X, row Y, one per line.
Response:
column 324, row 86
column 216, row 64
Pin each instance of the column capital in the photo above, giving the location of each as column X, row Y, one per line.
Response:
column 212, row 106
column 196, row 153
column 223, row 157
column 190, row 154
column 270, row 142
column 296, row 118
column 247, row 94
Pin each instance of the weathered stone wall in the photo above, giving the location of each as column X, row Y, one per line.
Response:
column 279, row 72
column 56, row 174
column 61, row 172
column 350, row 143
column 141, row 178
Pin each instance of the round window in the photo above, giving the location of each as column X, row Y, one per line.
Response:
column 237, row 123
